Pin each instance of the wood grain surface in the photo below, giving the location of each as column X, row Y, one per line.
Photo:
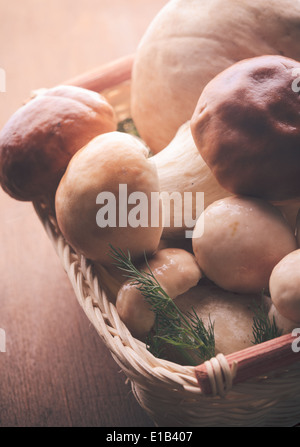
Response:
column 55, row 370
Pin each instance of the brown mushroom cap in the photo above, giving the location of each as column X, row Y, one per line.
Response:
column 246, row 126
column 40, row 138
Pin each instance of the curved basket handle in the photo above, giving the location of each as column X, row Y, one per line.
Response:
column 217, row 375
column 104, row 76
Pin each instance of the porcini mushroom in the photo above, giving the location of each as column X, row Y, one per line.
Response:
column 242, row 241
column 104, row 198
column 246, row 126
column 38, row 141
column 175, row 269
column 183, row 177
column 188, row 186
column 285, row 286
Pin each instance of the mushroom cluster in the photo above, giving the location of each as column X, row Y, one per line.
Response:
column 246, row 127
column 240, row 149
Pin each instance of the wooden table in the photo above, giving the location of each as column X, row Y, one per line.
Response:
column 55, row 370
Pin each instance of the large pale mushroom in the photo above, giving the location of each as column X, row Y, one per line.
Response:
column 104, row 199
column 191, row 41
column 230, row 313
column 238, row 241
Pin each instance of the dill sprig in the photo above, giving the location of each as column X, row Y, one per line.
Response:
column 186, row 332
column 127, row 125
column 263, row 327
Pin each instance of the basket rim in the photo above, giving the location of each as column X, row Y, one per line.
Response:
column 218, row 374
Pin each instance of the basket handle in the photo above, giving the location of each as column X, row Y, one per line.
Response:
column 218, row 374
column 105, row 76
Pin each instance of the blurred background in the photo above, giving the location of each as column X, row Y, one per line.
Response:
column 43, row 43
column 55, row 370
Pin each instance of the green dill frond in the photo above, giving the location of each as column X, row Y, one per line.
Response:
column 128, row 126
column 263, row 328
column 206, row 334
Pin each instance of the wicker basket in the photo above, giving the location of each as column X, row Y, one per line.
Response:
column 267, row 392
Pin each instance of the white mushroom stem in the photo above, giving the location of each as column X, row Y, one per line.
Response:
column 181, row 169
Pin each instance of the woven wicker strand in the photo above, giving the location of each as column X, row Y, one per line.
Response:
column 220, row 374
